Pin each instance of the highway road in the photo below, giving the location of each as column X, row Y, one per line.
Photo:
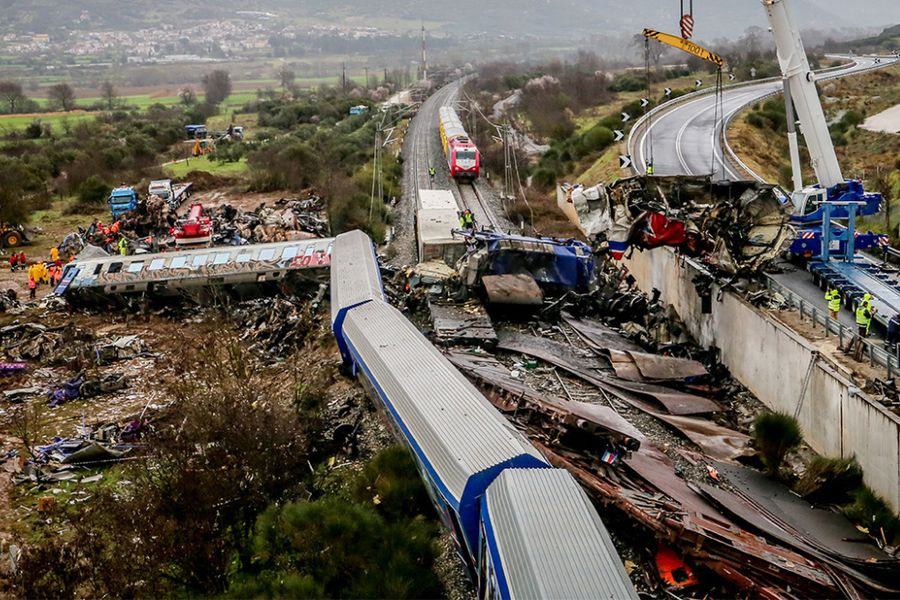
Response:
column 686, row 139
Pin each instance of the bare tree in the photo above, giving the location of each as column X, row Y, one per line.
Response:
column 12, row 94
column 62, row 95
column 109, row 94
column 287, row 77
column 188, row 96
column 216, row 86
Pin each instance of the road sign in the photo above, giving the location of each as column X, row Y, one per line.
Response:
column 752, row 71
column 619, row 136
column 644, row 102
column 731, row 76
column 698, row 83
column 687, row 26
column 624, row 161
column 668, row 91
column 625, row 117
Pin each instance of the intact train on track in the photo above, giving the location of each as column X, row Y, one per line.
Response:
column 523, row 528
column 463, row 158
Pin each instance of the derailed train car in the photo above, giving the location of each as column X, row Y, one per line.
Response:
column 242, row 270
column 523, row 528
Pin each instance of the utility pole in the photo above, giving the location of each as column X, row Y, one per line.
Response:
column 367, row 77
column 344, row 76
column 424, row 56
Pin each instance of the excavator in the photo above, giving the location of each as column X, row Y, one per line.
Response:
column 12, row 236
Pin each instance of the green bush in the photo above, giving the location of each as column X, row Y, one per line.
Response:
column 345, row 550
column 775, row 434
column 392, row 483
column 872, row 512
column 93, row 190
column 830, row 480
column 597, row 138
column 544, row 178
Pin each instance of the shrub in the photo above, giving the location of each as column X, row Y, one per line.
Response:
column 871, row 511
column 347, row 550
column 93, row 190
column 775, row 434
column 597, row 138
column 830, row 480
column 33, row 130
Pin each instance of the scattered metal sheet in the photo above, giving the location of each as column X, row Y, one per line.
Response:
column 462, row 323
column 760, row 568
column 555, row 353
column 510, row 394
column 716, row 441
column 677, row 403
column 655, row 366
column 823, row 529
column 624, row 366
column 598, row 336
column 520, row 289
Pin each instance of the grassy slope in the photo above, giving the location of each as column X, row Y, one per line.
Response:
column 180, row 169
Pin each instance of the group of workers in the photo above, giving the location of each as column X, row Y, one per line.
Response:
column 864, row 310
column 467, row 219
column 39, row 272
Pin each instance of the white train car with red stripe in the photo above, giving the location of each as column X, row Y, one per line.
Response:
column 463, row 158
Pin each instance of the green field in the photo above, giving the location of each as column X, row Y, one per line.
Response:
column 12, row 123
column 179, row 170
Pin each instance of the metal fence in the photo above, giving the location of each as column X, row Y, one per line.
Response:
column 875, row 354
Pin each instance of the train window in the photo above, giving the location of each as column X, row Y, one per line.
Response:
column 200, row 260
column 221, row 258
column 136, row 267
column 114, row 267
column 244, row 257
column 156, row 264
column 465, row 155
column 98, row 268
column 290, row 252
column 267, row 254
column 179, row 262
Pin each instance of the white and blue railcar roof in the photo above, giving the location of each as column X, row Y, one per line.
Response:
column 355, row 277
column 458, row 433
column 549, row 539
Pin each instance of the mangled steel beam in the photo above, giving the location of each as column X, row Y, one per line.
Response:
column 746, row 560
column 715, row 440
column 737, row 227
column 512, row 395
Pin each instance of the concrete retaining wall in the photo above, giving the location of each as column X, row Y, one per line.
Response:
column 771, row 360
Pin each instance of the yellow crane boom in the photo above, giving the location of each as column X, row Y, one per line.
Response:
column 686, row 45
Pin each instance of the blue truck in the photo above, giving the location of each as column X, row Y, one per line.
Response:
column 122, row 200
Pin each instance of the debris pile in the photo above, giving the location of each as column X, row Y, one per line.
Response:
column 289, row 219
column 276, row 326
column 33, row 341
column 734, row 227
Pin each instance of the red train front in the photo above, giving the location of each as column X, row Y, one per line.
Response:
column 463, row 158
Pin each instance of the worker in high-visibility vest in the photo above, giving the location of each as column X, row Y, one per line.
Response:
column 834, row 302
column 864, row 313
column 649, row 168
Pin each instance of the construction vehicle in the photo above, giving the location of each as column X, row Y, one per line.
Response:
column 195, row 131
column 832, row 197
column 194, row 230
column 121, row 200
column 173, row 194
column 12, row 236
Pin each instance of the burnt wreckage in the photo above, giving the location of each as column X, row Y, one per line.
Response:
column 735, row 227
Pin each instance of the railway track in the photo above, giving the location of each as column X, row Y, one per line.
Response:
column 472, row 199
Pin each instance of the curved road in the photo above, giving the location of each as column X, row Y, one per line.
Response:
column 686, row 139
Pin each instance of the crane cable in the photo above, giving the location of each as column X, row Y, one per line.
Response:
column 648, row 110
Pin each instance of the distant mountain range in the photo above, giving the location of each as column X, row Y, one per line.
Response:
column 714, row 18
